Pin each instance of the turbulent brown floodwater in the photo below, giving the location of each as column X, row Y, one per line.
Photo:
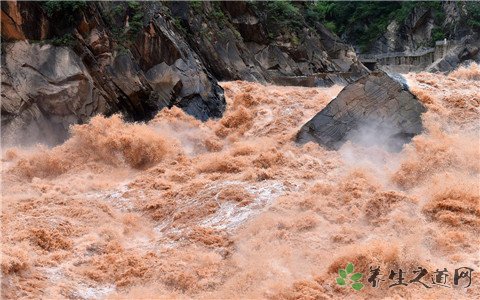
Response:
column 232, row 208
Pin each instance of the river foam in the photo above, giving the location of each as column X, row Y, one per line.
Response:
column 233, row 208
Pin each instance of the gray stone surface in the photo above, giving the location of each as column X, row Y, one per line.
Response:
column 240, row 47
column 46, row 85
column 175, row 58
column 47, row 88
column 375, row 110
column 466, row 51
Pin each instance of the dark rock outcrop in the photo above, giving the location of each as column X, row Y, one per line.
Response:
column 467, row 50
column 375, row 110
column 407, row 36
column 234, row 41
column 64, row 63
column 47, row 88
column 423, row 26
column 44, row 90
column 432, row 36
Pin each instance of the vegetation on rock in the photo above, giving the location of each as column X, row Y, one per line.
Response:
column 363, row 22
column 473, row 9
column 66, row 9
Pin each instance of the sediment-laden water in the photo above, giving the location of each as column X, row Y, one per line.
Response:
column 233, row 208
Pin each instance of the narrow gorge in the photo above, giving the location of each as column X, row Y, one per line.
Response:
column 240, row 150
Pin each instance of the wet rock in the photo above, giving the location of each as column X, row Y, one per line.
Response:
column 23, row 19
column 375, row 110
column 181, row 73
column 467, row 50
column 238, row 46
column 128, row 78
column 174, row 55
column 48, row 86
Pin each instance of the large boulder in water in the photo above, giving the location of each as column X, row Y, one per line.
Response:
column 377, row 109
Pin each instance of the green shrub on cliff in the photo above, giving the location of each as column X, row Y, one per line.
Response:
column 66, row 15
column 196, row 5
column 318, row 11
column 65, row 40
column 282, row 16
column 281, row 10
column 365, row 21
column 218, row 15
column 135, row 20
column 330, row 26
column 473, row 14
column 437, row 35
column 65, row 8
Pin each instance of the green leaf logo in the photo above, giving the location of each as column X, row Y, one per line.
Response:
column 357, row 286
column 349, row 268
column 346, row 277
column 356, row 276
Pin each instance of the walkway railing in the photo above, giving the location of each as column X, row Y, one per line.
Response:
column 438, row 44
column 396, row 54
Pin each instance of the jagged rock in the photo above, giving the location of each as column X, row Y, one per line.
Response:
column 47, row 88
column 46, row 84
column 432, row 38
column 376, row 109
column 165, row 81
column 407, row 36
column 415, row 32
column 22, row 20
column 128, row 78
column 240, row 48
column 98, row 42
column 189, row 81
column 466, row 50
column 175, row 58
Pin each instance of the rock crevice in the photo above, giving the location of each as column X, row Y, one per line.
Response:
column 109, row 57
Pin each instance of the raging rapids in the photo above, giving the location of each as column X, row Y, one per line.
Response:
column 233, row 208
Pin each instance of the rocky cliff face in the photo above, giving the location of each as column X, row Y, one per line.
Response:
column 423, row 24
column 238, row 40
column 46, row 88
column 455, row 22
column 67, row 61
column 466, row 51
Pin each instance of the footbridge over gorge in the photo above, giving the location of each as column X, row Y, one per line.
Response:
column 408, row 60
